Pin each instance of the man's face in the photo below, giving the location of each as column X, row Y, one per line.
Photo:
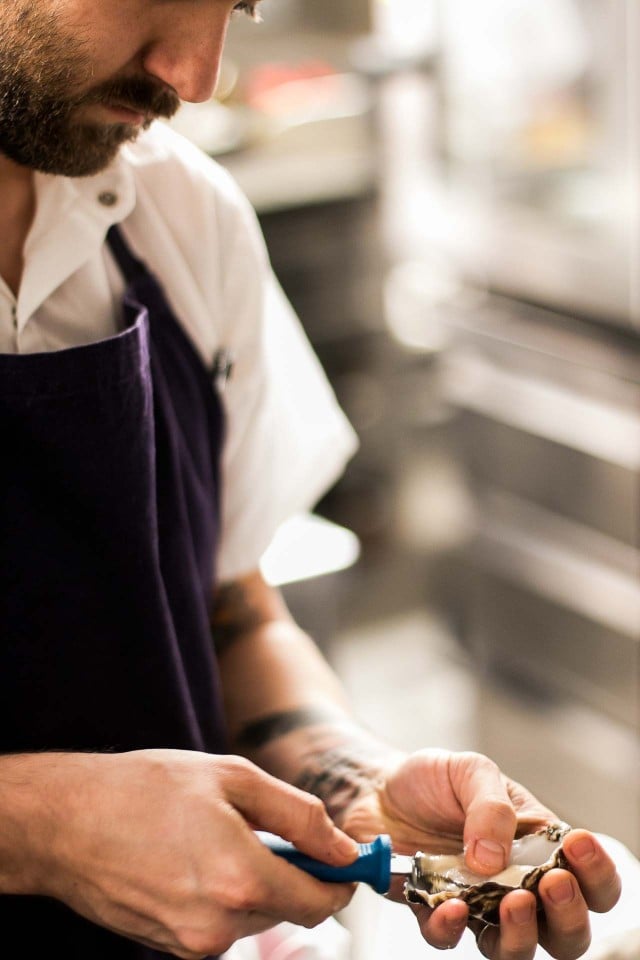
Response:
column 78, row 78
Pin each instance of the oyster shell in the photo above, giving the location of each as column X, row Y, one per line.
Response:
column 437, row 878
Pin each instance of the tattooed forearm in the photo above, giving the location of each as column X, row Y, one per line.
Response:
column 242, row 606
column 336, row 759
column 339, row 776
column 233, row 615
column 261, row 732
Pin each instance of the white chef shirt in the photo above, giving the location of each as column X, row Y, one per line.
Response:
column 287, row 440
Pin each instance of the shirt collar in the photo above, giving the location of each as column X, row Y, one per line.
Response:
column 71, row 221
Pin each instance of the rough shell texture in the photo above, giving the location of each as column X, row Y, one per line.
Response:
column 439, row 878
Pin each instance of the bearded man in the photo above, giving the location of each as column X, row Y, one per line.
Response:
column 157, row 701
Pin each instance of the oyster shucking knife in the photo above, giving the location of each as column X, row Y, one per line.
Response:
column 434, row 878
column 376, row 863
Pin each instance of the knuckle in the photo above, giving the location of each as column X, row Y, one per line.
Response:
column 343, row 898
column 520, row 946
column 244, row 895
column 467, row 764
column 579, row 946
column 316, row 812
column 241, row 772
column 575, row 933
column 238, row 765
column 312, row 916
column 499, row 809
column 193, row 946
column 220, row 944
column 472, row 758
column 607, row 897
column 197, row 949
column 202, row 942
column 569, row 938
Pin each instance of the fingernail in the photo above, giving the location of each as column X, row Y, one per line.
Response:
column 521, row 914
column 562, row 892
column 490, row 854
column 583, row 849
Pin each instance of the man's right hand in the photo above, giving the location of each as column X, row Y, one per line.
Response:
column 159, row 845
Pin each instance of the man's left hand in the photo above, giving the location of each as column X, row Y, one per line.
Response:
column 435, row 800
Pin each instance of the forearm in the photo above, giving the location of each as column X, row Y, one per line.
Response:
column 324, row 754
column 286, row 709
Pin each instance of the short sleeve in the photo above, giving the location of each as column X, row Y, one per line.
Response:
column 287, row 439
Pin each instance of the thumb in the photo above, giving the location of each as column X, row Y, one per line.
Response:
column 490, row 817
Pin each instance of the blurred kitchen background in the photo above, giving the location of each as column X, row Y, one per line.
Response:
column 450, row 192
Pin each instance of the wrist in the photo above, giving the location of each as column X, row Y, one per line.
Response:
column 337, row 761
column 350, row 777
column 324, row 751
column 35, row 790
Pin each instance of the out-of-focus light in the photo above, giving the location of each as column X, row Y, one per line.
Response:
column 308, row 546
column 407, row 25
column 417, row 295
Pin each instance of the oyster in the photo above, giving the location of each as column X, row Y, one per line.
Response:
column 437, row 878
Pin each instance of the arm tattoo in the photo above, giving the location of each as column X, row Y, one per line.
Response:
column 338, row 776
column 266, row 729
column 338, row 773
column 233, row 615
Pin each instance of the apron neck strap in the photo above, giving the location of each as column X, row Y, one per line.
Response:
column 130, row 266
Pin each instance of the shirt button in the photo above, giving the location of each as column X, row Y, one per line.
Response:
column 107, row 198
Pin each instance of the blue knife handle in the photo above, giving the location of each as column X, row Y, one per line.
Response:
column 373, row 865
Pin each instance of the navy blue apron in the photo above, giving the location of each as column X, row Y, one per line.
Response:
column 109, row 523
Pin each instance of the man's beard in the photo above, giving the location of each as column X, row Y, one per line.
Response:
column 39, row 70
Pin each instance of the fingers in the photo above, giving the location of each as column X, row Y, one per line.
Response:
column 286, row 811
column 201, row 943
column 515, row 939
column 250, row 879
column 562, row 927
column 517, row 936
column 490, row 818
column 267, row 884
column 264, row 883
column 594, row 869
column 566, row 932
column 567, row 898
column 442, row 928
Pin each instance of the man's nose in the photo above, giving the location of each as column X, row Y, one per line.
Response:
column 186, row 53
